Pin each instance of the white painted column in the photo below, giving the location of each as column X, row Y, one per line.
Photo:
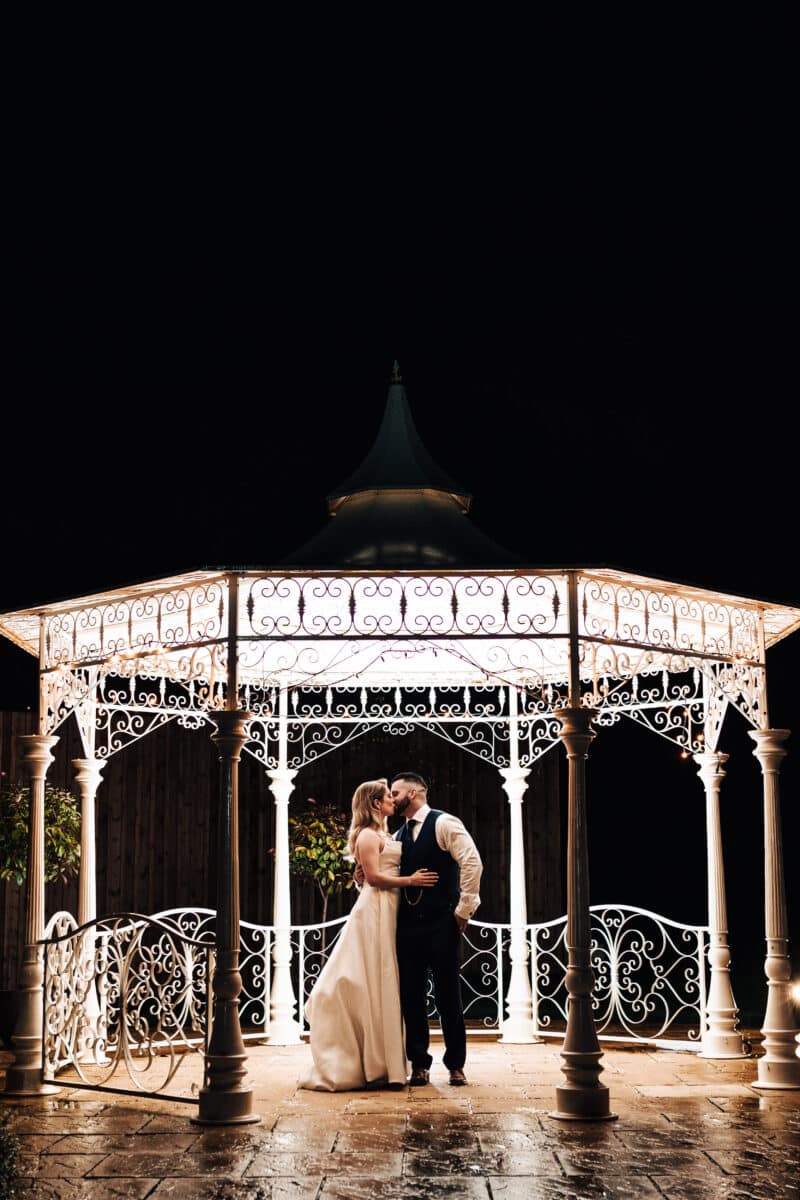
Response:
column 24, row 1076
column 518, row 1025
column 88, row 776
column 720, row 1037
column 780, row 1065
column 284, row 1028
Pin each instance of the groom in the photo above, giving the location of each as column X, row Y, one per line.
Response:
column 430, row 922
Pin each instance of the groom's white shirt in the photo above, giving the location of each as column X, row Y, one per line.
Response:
column 452, row 836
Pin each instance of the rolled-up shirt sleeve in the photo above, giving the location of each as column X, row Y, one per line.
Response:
column 452, row 836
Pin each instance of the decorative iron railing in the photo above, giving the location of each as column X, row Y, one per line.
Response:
column 124, row 994
column 130, row 993
column 255, row 959
column 650, row 973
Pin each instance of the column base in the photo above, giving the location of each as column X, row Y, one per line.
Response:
column 777, row 1075
column 225, row 1108
column 27, row 1081
column 249, row 1119
column 582, row 1104
column 712, row 1055
column 723, row 1046
column 518, row 1033
column 284, row 1033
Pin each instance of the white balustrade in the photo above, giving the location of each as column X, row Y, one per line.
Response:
column 650, row 973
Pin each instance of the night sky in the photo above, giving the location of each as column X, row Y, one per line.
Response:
column 589, row 282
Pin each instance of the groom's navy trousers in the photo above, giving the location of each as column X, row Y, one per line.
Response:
column 429, row 944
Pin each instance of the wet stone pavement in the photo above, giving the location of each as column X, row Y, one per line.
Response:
column 686, row 1129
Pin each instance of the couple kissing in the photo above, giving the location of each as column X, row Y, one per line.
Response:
column 419, row 887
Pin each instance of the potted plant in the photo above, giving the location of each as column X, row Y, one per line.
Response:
column 318, row 851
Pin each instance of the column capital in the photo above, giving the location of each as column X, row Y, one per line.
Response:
column 576, row 728
column 710, row 764
column 281, row 784
column 231, row 720
column 514, row 781
column 37, row 750
column 282, row 775
column 769, row 749
column 231, row 731
column 89, row 770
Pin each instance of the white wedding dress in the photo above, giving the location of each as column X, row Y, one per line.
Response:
column 353, row 1011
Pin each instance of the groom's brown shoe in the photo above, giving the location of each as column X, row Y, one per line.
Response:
column 458, row 1078
column 419, row 1077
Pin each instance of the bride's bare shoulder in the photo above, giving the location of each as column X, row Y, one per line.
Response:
column 369, row 837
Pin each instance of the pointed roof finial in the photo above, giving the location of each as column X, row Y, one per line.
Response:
column 398, row 461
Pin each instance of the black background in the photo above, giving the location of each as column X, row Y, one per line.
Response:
column 580, row 242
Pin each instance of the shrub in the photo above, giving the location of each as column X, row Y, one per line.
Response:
column 62, row 833
column 9, row 1159
column 318, row 848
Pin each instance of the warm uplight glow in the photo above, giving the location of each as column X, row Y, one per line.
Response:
column 796, row 993
column 447, row 629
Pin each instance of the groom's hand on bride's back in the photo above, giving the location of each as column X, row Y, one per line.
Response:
column 358, row 875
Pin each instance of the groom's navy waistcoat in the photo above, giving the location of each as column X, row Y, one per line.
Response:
column 427, row 903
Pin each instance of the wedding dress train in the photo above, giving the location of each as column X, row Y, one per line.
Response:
column 354, row 1009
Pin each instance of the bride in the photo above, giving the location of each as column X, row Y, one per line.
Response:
column 354, row 1008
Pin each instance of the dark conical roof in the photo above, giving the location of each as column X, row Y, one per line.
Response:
column 399, row 509
column 403, row 528
column 398, row 458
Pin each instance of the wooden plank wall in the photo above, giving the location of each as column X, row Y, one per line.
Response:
column 156, row 815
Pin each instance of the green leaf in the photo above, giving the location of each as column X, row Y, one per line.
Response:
column 318, row 845
column 62, row 823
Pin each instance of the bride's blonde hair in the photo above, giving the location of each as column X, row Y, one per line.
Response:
column 366, row 798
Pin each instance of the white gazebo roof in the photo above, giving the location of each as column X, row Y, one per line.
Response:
column 401, row 591
column 326, row 628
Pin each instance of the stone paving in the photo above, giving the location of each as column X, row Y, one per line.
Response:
column 686, row 1129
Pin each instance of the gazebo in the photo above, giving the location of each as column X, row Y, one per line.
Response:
column 401, row 609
